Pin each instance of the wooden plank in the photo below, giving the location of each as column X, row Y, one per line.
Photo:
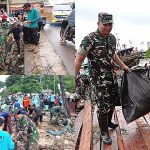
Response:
column 113, row 135
column 97, row 145
column 147, row 117
column 131, row 135
column 118, row 132
column 85, row 141
column 114, row 145
column 144, row 128
column 78, row 125
column 96, row 135
column 95, row 119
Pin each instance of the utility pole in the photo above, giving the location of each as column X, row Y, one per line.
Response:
column 8, row 6
column 54, row 84
column 61, row 80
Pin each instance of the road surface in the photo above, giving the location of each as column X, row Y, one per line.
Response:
column 65, row 52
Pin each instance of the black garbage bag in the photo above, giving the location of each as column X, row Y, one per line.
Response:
column 135, row 93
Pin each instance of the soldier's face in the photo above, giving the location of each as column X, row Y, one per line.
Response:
column 105, row 29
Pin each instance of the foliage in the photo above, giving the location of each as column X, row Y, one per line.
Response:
column 4, row 93
column 36, row 83
column 148, row 53
column 30, row 84
column 69, row 83
column 13, row 89
column 14, row 79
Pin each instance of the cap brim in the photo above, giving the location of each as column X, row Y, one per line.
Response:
column 107, row 21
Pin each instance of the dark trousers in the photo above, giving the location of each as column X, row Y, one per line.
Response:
column 25, row 35
column 33, row 36
column 38, row 117
column 18, row 44
column 39, row 29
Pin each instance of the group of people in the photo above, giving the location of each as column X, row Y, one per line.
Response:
column 30, row 27
column 25, row 133
column 3, row 16
column 26, row 115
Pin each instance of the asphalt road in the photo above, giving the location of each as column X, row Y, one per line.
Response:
column 65, row 52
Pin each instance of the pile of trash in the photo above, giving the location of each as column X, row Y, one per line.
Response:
column 55, row 137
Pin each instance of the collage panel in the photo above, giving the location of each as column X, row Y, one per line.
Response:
column 37, row 84
column 37, row 37
column 112, row 75
column 36, row 111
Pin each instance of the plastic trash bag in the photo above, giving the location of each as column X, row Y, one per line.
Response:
column 135, row 93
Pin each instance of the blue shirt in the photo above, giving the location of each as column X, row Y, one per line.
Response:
column 6, row 142
column 17, row 104
column 71, row 18
column 60, row 99
column 52, row 98
column 4, row 115
column 33, row 15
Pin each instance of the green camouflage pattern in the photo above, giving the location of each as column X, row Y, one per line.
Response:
column 100, row 52
column 30, row 135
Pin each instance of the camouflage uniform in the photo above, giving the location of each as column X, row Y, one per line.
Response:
column 82, row 84
column 30, row 136
column 100, row 52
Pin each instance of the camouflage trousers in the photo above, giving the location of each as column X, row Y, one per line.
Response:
column 82, row 84
column 27, row 146
column 105, row 96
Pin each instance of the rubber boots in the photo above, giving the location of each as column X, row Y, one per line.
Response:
column 103, row 124
column 110, row 124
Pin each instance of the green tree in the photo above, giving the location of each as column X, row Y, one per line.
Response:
column 2, row 84
column 69, row 83
column 30, row 84
column 14, row 89
column 13, row 79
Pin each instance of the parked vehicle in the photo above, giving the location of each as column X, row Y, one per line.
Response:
column 60, row 12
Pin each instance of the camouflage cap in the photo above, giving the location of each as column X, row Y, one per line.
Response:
column 105, row 18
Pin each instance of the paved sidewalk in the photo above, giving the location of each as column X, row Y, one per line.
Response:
column 46, row 61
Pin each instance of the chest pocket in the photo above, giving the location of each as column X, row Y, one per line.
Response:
column 100, row 49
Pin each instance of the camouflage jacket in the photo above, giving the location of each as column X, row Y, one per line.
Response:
column 100, row 52
column 29, row 129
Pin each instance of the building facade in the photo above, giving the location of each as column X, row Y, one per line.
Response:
column 17, row 4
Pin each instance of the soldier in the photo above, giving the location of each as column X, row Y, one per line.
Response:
column 82, row 84
column 28, row 134
column 38, row 115
column 99, row 47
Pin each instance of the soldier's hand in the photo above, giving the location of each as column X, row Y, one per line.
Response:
column 125, row 68
column 29, row 21
column 12, row 135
